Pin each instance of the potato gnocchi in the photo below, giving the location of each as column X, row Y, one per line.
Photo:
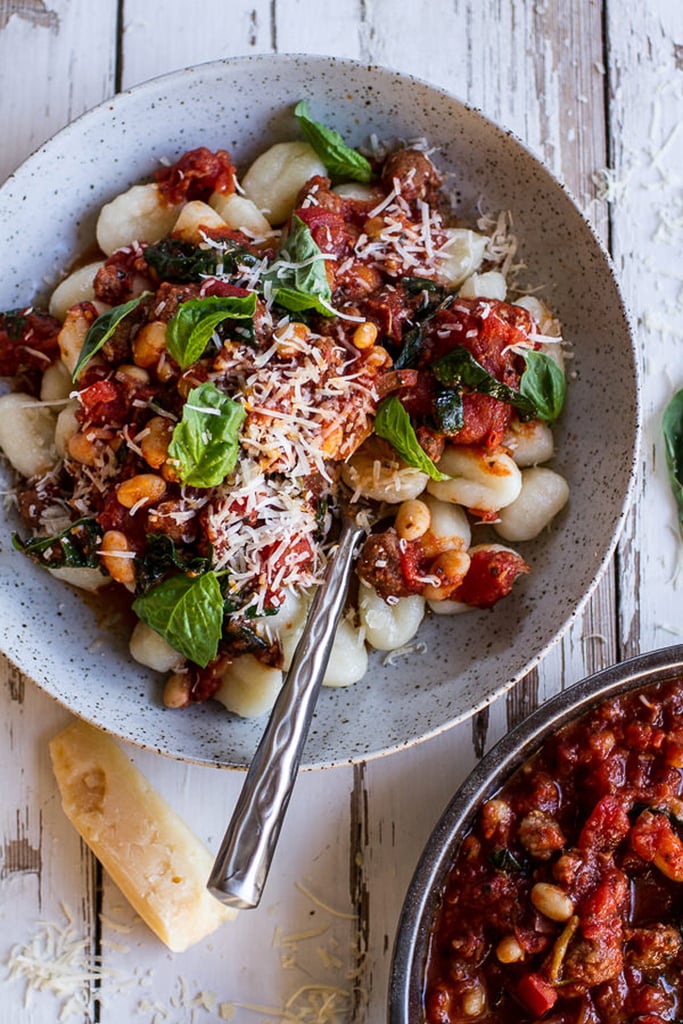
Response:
column 244, row 349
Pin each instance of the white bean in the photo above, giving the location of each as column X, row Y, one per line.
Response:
column 356, row 190
column 56, row 384
column 150, row 649
column 67, row 426
column 138, row 215
column 544, row 492
column 77, row 287
column 463, row 256
column 382, row 478
column 349, row 657
column 389, row 626
column 489, row 285
column 194, row 218
column 82, row 577
column 72, row 335
column 529, row 443
column 248, row 688
column 275, row 178
column 27, row 434
column 485, row 481
column 449, row 607
column 241, row 214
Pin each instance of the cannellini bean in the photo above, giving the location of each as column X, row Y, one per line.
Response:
column 116, row 554
column 481, row 480
column 77, row 287
column 388, row 626
column 27, row 433
column 529, row 443
column 449, row 607
column 157, row 437
column 82, row 577
column 72, row 335
column 382, row 478
column 551, row 901
column 139, row 215
column 448, row 570
column 489, row 285
column 275, row 178
column 241, row 214
column 194, row 219
column 413, row 519
column 67, row 426
column 365, row 335
column 508, row 950
column 83, row 448
column 356, row 190
column 544, row 493
column 463, row 256
column 449, row 527
column 149, row 344
column 177, row 690
column 140, row 490
column 56, row 384
column 474, row 1000
column 248, row 688
column 349, row 658
column 150, row 649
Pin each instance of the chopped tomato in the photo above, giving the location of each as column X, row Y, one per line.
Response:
column 197, row 174
column 490, row 576
column 537, row 994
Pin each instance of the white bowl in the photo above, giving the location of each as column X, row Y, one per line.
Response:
column 48, row 210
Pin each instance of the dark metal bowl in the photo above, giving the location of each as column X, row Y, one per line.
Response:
column 425, row 892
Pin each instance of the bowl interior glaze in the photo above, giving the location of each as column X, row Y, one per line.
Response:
column 48, row 210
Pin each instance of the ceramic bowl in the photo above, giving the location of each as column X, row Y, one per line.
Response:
column 48, row 210
column 429, row 881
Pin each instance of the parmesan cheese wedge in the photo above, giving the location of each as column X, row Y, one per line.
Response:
column 149, row 852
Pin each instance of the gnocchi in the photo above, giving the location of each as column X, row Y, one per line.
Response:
column 139, row 215
column 480, row 480
column 275, row 178
column 543, row 495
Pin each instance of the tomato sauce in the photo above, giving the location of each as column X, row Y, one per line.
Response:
column 565, row 901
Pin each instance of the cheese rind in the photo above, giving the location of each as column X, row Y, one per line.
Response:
column 147, row 849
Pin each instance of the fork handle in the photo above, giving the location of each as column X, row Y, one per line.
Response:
column 241, row 867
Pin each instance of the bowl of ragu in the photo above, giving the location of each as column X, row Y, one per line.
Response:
column 239, row 296
column 552, row 887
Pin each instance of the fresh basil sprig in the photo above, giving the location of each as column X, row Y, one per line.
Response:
column 393, row 423
column 459, row 368
column 205, row 443
column 297, row 276
column 187, row 611
column 102, row 329
column 544, row 384
column 340, row 160
column 76, row 546
column 672, row 428
column 190, row 330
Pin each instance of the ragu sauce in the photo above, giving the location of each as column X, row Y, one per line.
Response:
column 565, row 900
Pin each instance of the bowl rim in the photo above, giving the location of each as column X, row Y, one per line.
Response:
column 509, row 753
column 618, row 515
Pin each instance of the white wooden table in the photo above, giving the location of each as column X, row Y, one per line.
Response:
column 589, row 85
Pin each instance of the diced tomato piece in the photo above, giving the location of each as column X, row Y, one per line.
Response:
column 103, row 404
column 653, row 839
column 606, row 826
column 537, row 994
column 197, row 174
column 28, row 340
column 490, row 577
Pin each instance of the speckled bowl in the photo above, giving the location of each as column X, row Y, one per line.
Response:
column 48, row 211
column 431, row 875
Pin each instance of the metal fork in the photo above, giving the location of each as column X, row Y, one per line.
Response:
column 241, row 867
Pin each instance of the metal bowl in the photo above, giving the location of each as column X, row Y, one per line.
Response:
column 48, row 210
column 424, row 895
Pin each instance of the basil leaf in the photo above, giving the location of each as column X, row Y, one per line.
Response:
column 13, row 322
column 205, row 443
column 672, row 427
column 102, row 329
column 161, row 557
column 76, row 546
column 176, row 260
column 449, row 411
column 392, row 422
column 410, row 349
column 459, row 368
column 187, row 611
column 297, row 276
column 340, row 160
column 190, row 330
column 505, row 860
column 544, row 384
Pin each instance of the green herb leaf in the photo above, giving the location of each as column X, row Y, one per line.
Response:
column 459, row 368
column 205, row 443
column 505, row 860
column 544, row 385
column 102, row 329
column 76, row 546
column 341, row 161
column 176, row 260
column 393, row 423
column 187, row 612
column 190, row 330
column 297, row 276
column 449, row 411
column 162, row 557
column 672, row 427
column 13, row 322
